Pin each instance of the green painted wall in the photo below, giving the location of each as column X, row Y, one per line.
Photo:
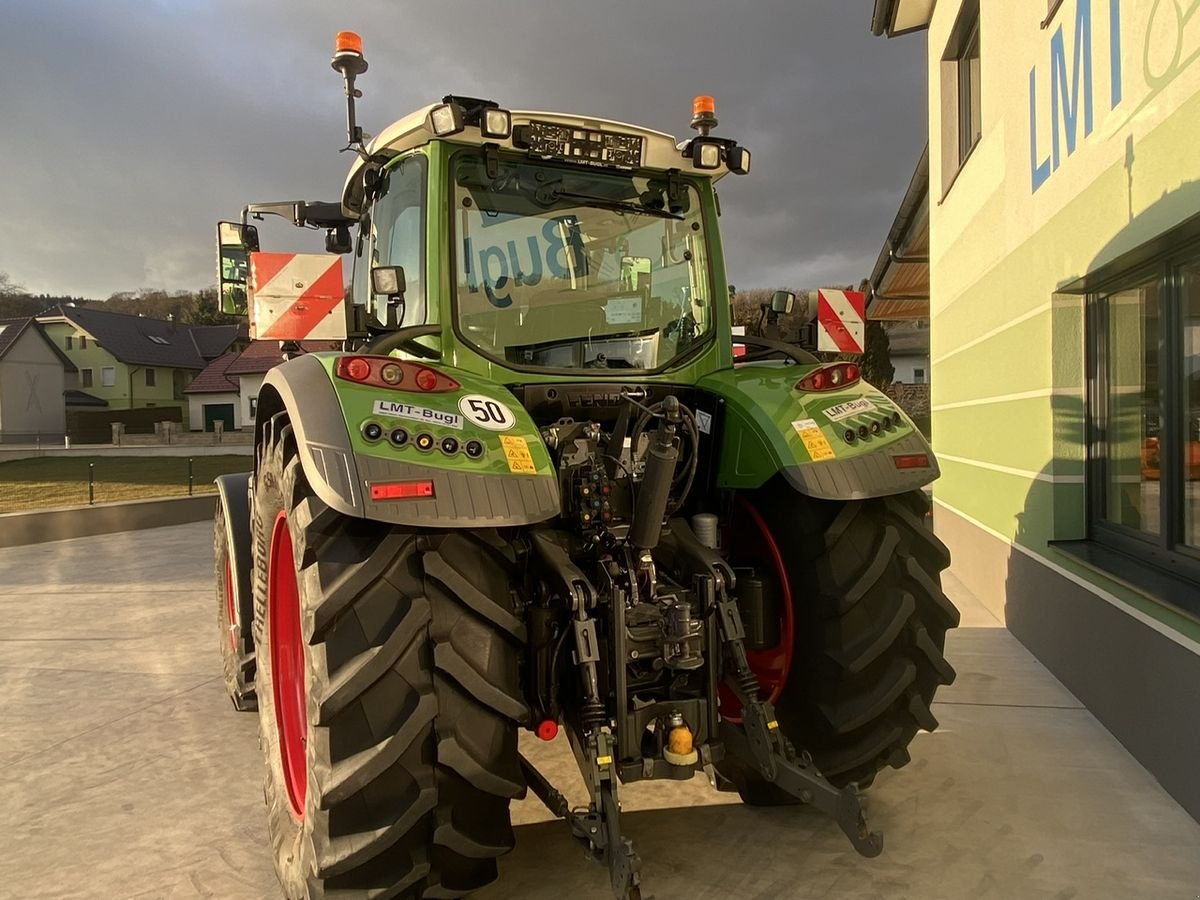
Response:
column 1007, row 344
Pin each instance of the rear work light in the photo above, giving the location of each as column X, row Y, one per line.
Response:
column 393, row 374
column 831, row 377
column 912, row 461
column 402, row 490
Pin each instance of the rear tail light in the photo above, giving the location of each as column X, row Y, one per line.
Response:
column 394, row 374
column 912, row 461
column 831, row 377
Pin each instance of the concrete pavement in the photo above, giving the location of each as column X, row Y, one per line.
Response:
column 124, row 771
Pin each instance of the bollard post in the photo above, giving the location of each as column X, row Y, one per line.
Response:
column 189, row 476
column 91, row 484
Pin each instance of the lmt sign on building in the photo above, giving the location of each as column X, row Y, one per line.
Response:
column 1068, row 86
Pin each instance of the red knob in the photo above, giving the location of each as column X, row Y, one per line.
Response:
column 547, row 729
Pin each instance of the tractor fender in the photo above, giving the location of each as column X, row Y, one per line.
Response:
column 494, row 491
column 233, row 493
column 767, row 426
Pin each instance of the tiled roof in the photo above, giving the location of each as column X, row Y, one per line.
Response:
column 212, row 380
column 213, row 340
column 11, row 329
column 134, row 340
column 262, row 356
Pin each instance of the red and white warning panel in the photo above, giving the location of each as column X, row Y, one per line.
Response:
column 297, row 297
column 841, row 317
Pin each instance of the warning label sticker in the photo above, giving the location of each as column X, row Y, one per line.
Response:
column 516, row 454
column 815, row 442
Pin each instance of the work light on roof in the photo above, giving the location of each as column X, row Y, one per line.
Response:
column 446, row 119
column 495, row 123
column 706, row 154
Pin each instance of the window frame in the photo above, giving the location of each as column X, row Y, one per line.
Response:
column 965, row 35
column 151, row 377
column 70, row 342
column 87, row 377
column 1164, row 551
column 83, row 342
column 104, row 370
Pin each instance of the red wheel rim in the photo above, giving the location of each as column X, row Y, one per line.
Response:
column 229, row 603
column 287, row 664
column 770, row 666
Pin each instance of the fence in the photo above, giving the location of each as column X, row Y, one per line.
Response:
column 94, row 426
column 46, row 482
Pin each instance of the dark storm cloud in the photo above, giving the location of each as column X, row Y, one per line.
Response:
column 130, row 127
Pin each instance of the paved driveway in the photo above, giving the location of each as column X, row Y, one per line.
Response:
column 124, row 772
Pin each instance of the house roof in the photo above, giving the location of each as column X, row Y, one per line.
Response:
column 82, row 398
column 134, row 340
column 262, row 356
column 213, row 380
column 213, row 340
column 900, row 16
column 900, row 279
column 11, row 329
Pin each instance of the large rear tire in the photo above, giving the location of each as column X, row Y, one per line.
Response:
column 870, row 631
column 234, row 623
column 389, row 694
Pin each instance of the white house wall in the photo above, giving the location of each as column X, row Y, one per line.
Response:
column 31, row 388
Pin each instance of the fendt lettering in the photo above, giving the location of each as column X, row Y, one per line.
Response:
column 543, row 485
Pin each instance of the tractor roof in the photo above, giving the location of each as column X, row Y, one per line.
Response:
column 661, row 150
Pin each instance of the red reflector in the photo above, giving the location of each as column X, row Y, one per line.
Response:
column 402, row 490
column 547, row 729
column 426, row 379
column 911, row 461
column 357, row 368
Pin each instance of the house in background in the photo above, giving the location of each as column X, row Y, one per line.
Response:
column 909, row 343
column 213, row 397
column 34, row 379
column 133, row 362
column 227, row 389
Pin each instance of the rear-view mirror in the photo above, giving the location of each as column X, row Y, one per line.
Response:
column 235, row 243
column 782, row 302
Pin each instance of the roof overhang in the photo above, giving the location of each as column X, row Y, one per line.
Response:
column 900, row 279
column 896, row 17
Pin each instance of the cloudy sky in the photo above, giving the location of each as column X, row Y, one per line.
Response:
column 131, row 126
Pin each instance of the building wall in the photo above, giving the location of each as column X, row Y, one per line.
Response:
column 1021, row 220
column 197, row 402
column 906, row 366
column 32, row 381
column 249, row 387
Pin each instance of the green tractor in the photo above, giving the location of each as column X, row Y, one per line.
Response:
column 538, row 488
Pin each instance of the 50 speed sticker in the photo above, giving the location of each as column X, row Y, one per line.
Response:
column 487, row 412
column 814, row 440
column 516, row 454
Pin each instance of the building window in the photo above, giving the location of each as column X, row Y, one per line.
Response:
column 108, row 376
column 85, row 377
column 918, row 376
column 149, row 378
column 70, row 341
column 253, row 406
column 962, row 121
column 83, row 342
column 1144, row 458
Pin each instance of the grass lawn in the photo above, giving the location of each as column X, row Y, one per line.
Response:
column 63, row 480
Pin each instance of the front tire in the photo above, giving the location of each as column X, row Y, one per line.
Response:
column 392, row 757
column 870, row 630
